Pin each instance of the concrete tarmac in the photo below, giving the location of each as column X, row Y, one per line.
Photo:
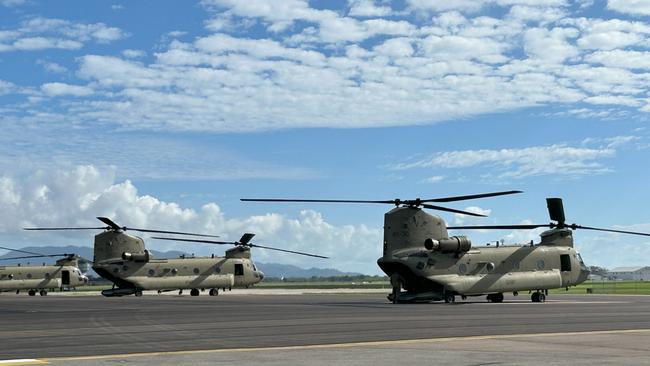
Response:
column 317, row 329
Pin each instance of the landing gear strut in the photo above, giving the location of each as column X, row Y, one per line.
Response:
column 213, row 292
column 450, row 298
column 43, row 293
column 396, row 282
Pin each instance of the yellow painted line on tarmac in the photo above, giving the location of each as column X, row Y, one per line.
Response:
column 22, row 361
column 340, row 345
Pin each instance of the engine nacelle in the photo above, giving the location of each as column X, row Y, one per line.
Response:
column 137, row 257
column 455, row 244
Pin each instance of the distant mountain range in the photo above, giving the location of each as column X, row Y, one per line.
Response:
column 269, row 269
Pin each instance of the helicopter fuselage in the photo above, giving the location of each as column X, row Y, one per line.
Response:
column 421, row 257
column 33, row 278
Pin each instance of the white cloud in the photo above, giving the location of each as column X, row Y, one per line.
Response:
column 62, row 89
column 621, row 59
column 52, row 67
column 434, row 179
column 633, row 7
column 12, row 3
column 46, row 33
column 75, row 197
column 133, row 53
column 6, row 87
column 368, row 8
column 555, row 160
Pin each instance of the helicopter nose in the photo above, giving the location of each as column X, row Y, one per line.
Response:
column 260, row 274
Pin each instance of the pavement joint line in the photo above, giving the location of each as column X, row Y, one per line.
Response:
column 338, row 345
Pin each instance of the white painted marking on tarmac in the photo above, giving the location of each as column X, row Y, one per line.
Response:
column 343, row 345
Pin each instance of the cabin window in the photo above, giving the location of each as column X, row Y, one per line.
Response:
column 151, row 273
column 196, row 271
column 516, row 265
column 29, row 275
column 217, row 269
column 462, row 268
column 239, row 269
column 565, row 263
column 47, row 276
column 540, row 264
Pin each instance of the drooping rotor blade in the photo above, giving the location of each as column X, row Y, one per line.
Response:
column 110, row 223
column 197, row 240
column 237, row 243
column 574, row 226
column 318, row 201
column 287, row 251
column 64, row 228
column 439, row 208
column 556, row 210
column 36, row 256
column 489, row 227
column 470, row 197
column 20, row 251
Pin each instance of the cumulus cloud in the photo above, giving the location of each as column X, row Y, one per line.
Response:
column 75, row 197
column 47, row 33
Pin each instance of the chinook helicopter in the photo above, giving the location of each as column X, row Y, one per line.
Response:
column 64, row 274
column 123, row 259
column 421, row 258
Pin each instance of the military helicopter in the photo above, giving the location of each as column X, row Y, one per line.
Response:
column 123, row 259
column 64, row 274
column 420, row 257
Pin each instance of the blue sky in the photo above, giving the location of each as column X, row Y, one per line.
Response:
column 163, row 114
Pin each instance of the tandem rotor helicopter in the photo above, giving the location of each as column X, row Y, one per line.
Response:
column 64, row 274
column 123, row 259
column 421, row 258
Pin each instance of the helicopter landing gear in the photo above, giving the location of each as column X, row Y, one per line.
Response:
column 538, row 297
column 213, row 292
column 180, row 292
column 43, row 293
column 194, row 292
column 495, row 297
column 138, row 293
column 396, row 282
column 31, row 293
column 450, row 298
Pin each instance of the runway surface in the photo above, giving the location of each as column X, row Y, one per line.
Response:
column 65, row 326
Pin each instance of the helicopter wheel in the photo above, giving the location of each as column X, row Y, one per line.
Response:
column 43, row 293
column 538, row 297
column 450, row 299
column 213, row 292
column 194, row 292
column 495, row 297
column 31, row 293
column 138, row 293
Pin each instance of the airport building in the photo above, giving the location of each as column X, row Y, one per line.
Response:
column 641, row 273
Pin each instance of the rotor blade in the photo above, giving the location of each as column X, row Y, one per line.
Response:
column 20, row 251
column 471, row 196
column 574, row 226
column 439, row 208
column 532, row 226
column 555, row 210
column 246, row 238
column 286, row 251
column 169, row 232
column 196, row 240
column 109, row 222
column 301, row 200
column 65, row 228
column 36, row 256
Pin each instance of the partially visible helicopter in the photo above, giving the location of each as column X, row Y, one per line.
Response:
column 123, row 259
column 64, row 274
column 421, row 258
